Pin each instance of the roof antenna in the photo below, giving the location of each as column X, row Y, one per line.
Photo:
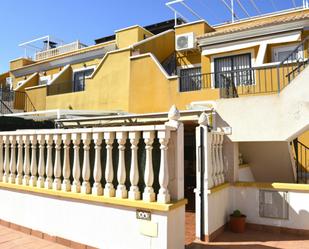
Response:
column 231, row 9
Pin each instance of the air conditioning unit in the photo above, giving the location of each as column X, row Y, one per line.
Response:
column 185, row 42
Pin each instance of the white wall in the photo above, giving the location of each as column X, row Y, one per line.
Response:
column 98, row 225
column 247, row 201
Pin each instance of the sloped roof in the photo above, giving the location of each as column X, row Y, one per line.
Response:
column 258, row 23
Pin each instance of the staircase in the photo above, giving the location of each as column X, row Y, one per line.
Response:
column 14, row 102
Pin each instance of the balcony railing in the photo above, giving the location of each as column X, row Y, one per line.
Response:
column 59, row 50
column 14, row 100
column 301, row 153
column 254, row 80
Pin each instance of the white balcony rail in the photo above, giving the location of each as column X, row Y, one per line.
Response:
column 82, row 160
column 58, row 50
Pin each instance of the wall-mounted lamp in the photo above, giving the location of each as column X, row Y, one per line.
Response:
column 85, row 65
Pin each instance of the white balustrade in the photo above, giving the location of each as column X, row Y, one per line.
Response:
column 149, row 194
column 76, row 163
column 109, row 190
column 121, row 191
column 66, row 184
column 41, row 166
column 97, row 171
column 34, row 170
column 57, row 164
column 134, row 193
column 26, row 166
column 33, row 165
column 163, row 196
column 86, row 188
column 13, row 159
column 19, row 177
column 6, row 158
column 49, row 162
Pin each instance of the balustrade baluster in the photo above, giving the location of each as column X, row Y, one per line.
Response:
column 134, row 192
column 13, row 160
column 6, row 158
column 33, row 166
column 49, row 163
column 86, row 188
column 41, row 166
column 66, row 184
column 121, row 191
column 221, row 137
column 26, row 165
column 109, row 189
column 76, row 163
column 213, row 159
column 148, row 194
column 19, row 177
column 163, row 195
column 97, row 171
column 57, row 163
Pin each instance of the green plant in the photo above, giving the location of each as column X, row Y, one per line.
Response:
column 237, row 213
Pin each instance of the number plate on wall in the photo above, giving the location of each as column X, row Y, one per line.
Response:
column 143, row 215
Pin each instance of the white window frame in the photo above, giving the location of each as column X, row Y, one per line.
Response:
column 233, row 53
column 44, row 78
column 80, row 70
column 283, row 48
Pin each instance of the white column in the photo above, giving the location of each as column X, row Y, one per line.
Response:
column 66, row 170
column 1, row 159
column 13, row 160
column 134, row 193
column 163, row 195
column 86, row 188
column 49, row 164
column 121, row 191
column 6, row 158
column 76, row 163
column 109, row 190
column 216, row 158
column 26, row 165
column 57, row 163
column 19, row 177
column 33, row 165
column 148, row 194
column 97, row 171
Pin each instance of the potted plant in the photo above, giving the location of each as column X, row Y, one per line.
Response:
column 237, row 222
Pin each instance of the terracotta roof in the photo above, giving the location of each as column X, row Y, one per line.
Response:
column 257, row 23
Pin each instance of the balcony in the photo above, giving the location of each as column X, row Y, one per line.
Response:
column 59, row 50
column 248, row 81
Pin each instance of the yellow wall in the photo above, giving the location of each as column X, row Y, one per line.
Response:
column 37, row 97
column 107, row 90
column 129, row 36
column 62, row 84
column 161, row 46
column 160, row 92
column 18, row 63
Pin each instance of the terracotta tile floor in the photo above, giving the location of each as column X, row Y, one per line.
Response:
column 11, row 239
column 251, row 239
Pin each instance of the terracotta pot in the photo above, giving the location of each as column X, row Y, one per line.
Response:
column 237, row 224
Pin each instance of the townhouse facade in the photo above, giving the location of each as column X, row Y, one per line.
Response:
column 244, row 85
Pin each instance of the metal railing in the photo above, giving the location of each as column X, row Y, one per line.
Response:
column 292, row 65
column 235, row 82
column 301, row 153
column 59, row 50
column 15, row 100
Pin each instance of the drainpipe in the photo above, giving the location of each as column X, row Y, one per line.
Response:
column 202, row 216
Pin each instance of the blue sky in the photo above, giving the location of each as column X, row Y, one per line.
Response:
column 70, row 20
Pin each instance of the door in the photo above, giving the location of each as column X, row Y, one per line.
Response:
column 231, row 72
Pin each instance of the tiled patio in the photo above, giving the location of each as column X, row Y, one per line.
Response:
column 251, row 239
column 12, row 239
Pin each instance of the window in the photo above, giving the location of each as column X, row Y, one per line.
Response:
column 190, row 79
column 281, row 53
column 79, row 79
column 233, row 71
